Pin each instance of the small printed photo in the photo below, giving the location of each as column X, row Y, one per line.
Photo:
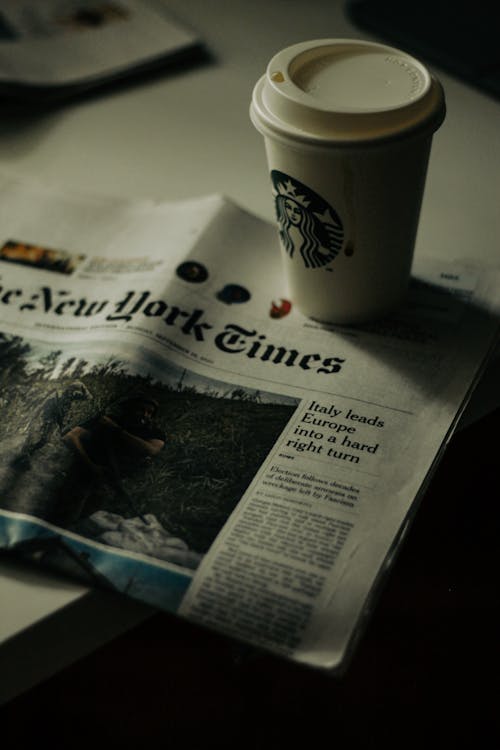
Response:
column 233, row 294
column 44, row 258
column 191, row 271
column 280, row 309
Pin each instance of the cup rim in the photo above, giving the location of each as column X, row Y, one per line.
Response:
column 281, row 109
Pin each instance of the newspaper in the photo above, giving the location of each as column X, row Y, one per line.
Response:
column 59, row 47
column 174, row 429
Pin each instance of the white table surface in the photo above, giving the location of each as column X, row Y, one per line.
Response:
column 188, row 134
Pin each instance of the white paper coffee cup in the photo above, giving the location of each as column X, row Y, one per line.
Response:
column 348, row 126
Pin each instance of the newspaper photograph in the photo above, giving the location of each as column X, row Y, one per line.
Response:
column 175, row 430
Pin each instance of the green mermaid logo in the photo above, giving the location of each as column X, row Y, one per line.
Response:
column 307, row 223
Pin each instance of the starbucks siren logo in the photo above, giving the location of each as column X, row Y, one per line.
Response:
column 307, row 223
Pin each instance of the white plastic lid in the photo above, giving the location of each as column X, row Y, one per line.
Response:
column 345, row 91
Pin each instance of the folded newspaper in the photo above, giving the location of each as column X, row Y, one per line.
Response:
column 59, row 47
column 174, row 429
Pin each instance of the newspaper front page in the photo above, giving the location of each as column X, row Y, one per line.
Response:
column 175, row 430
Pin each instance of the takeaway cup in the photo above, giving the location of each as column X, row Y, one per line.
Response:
column 347, row 126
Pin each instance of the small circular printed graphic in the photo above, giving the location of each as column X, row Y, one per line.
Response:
column 307, row 223
column 233, row 294
column 280, row 309
column 192, row 271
